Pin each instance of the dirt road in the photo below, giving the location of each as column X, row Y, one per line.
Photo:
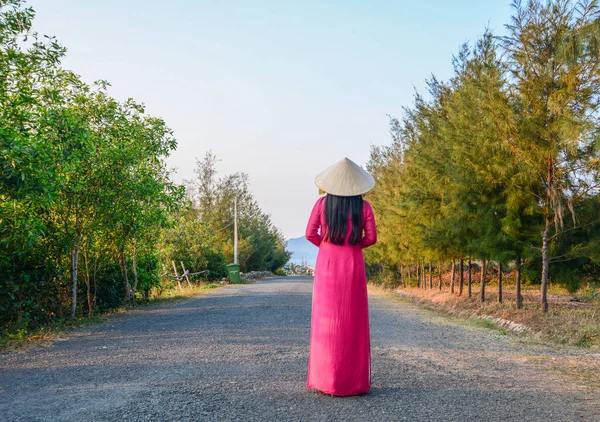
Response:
column 241, row 352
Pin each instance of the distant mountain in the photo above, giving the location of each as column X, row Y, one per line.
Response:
column 303, row 252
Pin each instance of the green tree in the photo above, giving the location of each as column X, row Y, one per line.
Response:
column 553, row 57
column 261, row 246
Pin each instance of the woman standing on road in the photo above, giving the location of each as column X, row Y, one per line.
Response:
column 341, row 224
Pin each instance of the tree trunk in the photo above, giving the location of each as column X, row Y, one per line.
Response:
column 482, row 280
column 402, row 276
column 95, row 286
column 126, row 284
column 499, row 282
column 74, row 262
column 545, row 264
column 135, row 273
column 88, row 283
column 418, row 274
column 461, row 277
column 415, row 275
column 423, row 274
column 470, row 280
column 430, row 277
column 452, row 276
column 519, row 297
column 440, row 269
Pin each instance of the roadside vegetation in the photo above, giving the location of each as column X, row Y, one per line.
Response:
column 90, row 219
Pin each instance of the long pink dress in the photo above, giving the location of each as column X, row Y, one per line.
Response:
column 339, row 361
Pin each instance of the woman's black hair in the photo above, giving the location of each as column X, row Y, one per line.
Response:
column 337, row 210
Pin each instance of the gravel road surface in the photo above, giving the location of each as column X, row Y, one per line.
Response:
column 241, row 352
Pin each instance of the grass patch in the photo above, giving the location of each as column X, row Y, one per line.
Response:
column 484, row 323
column 584, row 341
column 17, row 339
column 490, row 325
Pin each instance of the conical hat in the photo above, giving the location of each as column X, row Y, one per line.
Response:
column 345, row 178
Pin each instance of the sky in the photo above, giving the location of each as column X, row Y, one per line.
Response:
column 279, row 90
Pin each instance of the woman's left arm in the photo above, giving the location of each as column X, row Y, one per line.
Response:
column 370, row 236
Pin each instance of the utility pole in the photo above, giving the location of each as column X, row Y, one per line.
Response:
column 235, row 231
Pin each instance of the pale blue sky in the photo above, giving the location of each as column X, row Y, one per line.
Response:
column 277, row 89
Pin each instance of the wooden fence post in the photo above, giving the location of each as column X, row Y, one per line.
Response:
column 176, row 275
column 186, row 274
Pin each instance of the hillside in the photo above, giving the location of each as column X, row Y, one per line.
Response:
column 303, row 252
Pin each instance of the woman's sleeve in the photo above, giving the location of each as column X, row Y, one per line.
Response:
column 370, row 236
column 314, row 224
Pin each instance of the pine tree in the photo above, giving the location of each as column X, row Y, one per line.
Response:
column 553, row 57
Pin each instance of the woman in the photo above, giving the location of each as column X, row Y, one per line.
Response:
column 341, row 224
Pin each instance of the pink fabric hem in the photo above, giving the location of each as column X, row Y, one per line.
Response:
column 354, row 393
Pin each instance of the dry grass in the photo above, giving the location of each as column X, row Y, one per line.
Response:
column 566, row 322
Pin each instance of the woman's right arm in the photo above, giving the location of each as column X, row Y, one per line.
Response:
column 314, row 224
